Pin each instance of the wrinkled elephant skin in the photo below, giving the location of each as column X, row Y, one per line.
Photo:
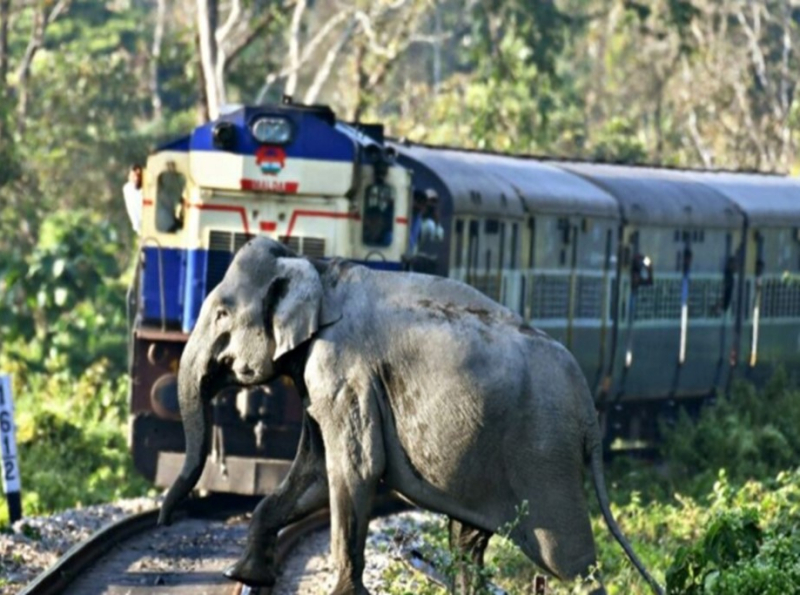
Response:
column 417, row 381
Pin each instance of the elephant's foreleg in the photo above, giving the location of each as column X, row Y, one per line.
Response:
column 351, row 504
column 468, row 545
column 355, row 461
column 304, row 490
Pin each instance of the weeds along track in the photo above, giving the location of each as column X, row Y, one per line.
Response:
column 134, row 556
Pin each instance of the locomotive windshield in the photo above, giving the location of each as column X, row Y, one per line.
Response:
column 169, row 200
column 378, row 215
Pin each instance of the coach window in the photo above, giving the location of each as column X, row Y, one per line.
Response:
column 514, row 242
column 472, row 249
column 459, row 243
column 169, row 200
column 378, row 216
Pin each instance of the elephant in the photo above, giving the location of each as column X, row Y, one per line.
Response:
column 417, row 382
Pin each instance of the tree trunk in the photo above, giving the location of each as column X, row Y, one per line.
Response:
column 155, row 58
column 5, row 9
column 294, row 46
column 207, row 17
column 203, row 114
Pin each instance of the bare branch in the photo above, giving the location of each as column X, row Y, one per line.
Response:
column 753, row 34
column 243, row 37
column 366, row 26
column 320, row 36
column 750, row 127
column 233, row 18
column 308, row 51
column 697, row 140
column 325, row 70
column 294, row 46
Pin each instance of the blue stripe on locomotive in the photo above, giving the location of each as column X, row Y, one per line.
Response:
column 163, row 271
column 314, row 138
column 188, row 276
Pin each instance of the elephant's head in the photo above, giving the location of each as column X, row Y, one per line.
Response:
column 269, row 303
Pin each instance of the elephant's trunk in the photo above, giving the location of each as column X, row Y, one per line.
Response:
column 195, row 390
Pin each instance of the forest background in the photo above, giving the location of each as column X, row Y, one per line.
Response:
column 88, row 87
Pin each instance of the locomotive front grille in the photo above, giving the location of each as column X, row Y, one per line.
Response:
column 313, row 247
column 222, row 245
column 293, row 243
column 227, row 241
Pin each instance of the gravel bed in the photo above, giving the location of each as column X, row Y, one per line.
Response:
column 309, row 568
column 36, row 543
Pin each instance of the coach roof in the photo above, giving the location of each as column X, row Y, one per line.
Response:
column 766, row 200
column 486, row 183
column 663, row 197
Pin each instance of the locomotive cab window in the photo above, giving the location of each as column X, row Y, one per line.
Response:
column 169, row 200
column 378, row 215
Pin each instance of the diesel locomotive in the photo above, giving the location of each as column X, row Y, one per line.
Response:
column 666, row 284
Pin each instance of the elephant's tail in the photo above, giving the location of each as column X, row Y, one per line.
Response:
column 596, row 463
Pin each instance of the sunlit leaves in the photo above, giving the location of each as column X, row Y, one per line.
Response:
column 65, row 293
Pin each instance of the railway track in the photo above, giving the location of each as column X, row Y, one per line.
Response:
column 135, row 557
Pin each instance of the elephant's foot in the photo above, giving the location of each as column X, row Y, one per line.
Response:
column 252, row 571
column 348, row 588
column 591, row 587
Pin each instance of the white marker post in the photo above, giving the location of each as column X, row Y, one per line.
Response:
column 8, row 451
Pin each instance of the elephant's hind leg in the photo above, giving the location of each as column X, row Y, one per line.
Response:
column 557, row 536
column 468, row 545
column 303, row 491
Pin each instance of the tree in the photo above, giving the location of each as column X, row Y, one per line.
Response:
column 220, row 42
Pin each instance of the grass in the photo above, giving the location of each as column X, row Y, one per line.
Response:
column 71, row 440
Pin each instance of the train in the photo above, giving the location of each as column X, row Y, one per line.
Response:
column 666, row 284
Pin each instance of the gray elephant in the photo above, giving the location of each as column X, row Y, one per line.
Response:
column 418, row 382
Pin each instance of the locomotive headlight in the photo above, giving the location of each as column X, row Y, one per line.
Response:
column 275, row 131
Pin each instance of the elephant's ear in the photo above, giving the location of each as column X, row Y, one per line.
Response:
column 293, row 304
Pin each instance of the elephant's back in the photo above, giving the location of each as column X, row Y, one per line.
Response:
column 428, row 293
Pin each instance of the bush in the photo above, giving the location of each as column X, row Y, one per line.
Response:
column 62, row 319
column 71, row 438
column 750, row 434
column 751, row 545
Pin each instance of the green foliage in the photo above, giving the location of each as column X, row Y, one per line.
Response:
column 65, row 295
column 731, row 537
column 752, row 434
column 617, row 142
column 750, row 546
column 62, row 319
column 70, row 437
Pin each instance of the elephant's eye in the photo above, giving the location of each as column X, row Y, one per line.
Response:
column 221, row 313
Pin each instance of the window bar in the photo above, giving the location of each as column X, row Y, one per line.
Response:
column 687, row 265
column 757, row 301
column 756, row 321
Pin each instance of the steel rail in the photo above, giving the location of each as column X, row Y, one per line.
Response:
column 84, row 554
column 81, row 556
